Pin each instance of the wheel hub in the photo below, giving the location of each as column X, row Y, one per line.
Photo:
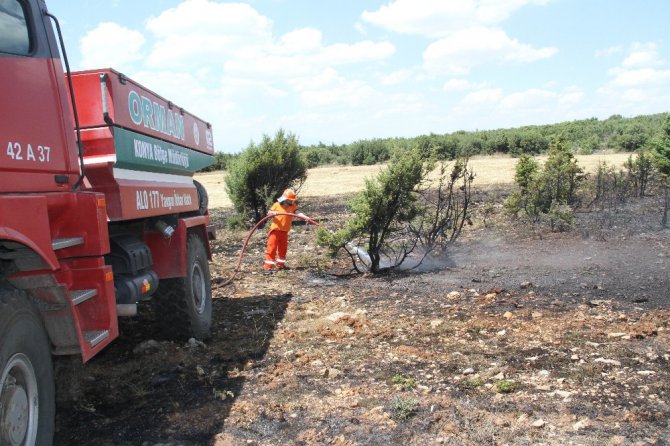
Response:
column 15, row 413
column 198, row 288
column 18, row 417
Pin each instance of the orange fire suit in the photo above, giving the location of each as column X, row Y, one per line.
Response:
column 277, row 246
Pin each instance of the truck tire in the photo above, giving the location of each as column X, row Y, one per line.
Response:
column 27, row 395
column 203, row 198
column 184, row 305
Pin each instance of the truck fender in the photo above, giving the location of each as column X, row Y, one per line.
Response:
column 34, row 256
column 169, row 254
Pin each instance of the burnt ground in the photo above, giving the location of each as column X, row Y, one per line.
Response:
column 517, row 336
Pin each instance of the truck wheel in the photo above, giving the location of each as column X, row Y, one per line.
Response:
column 203, row 198
column 27, row 396
column 185, row 304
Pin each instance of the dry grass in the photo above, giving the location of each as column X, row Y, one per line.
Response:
column 336, row 180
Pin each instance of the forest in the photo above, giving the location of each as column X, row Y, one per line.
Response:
column 616, row 133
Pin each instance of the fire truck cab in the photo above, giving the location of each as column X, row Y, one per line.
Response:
column 99, row 213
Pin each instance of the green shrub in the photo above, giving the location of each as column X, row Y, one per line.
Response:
column 404, row 408
column 261, row 173
column 545, row 193
column 661, row 153
column 640, row 170
column 473, row 383
column 407, row 383
column 383, row 209
column 235, row 222
column 505, row 386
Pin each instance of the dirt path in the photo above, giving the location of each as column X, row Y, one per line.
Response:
column 511, row 339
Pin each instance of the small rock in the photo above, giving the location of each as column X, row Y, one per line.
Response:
column 646, row 372
column 508, row 315
column 608, row 361
column 582, row 424
column 331, row 373
column 194, row 343
column 436, row 323
column 525, row 285
column 338, row 316
column 454, row 295
column 563, row 393
column 616, row 335
column 148, row 346
column 468, row 371
column 538, row 423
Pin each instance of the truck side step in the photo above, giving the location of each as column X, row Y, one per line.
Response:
column 62, row 243
column 81, row 296
column 96, row 337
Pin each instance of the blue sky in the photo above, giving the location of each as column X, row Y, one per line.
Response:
column 339, row 71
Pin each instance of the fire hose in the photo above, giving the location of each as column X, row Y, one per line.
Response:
column 251, row 232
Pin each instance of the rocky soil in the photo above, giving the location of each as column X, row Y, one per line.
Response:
column 517, row 336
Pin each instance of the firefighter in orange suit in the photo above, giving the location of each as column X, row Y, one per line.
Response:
column 275, row 254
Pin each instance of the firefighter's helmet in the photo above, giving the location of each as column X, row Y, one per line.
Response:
column 289, row 194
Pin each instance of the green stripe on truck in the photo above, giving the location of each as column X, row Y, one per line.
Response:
column 136, row 151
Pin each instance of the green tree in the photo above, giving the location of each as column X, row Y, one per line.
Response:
column 525, row 170
column 262, row 172
column 402, row 209
column 640, row 171
column 661, row 148
column 383, row 210
column 548, row 193
column 369, row 152
column 562, row 174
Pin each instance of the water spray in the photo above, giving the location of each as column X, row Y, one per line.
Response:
column 360, row 252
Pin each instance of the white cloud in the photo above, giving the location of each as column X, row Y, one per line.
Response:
column 396, row 77
column 456, row 85
column 276, row 63
column 533, row 105
column 641, row 83
column 344, row 93
column 464, row 49
column 533, row 98
column 606, row 52
column 300, row 41
column 342, row 53
column 203, row 31
column 111, row 45
column 643, row 55
column 640, row 77
column 440, row 18
column 486, row 96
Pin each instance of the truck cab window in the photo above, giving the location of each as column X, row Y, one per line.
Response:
column 14, row 36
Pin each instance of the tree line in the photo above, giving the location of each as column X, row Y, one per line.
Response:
column 583, row 137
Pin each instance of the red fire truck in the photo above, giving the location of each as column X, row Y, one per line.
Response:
column 98, row 212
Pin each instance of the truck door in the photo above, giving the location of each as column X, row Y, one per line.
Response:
column 37, row 147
